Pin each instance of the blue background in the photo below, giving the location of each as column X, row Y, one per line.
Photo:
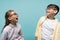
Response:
column 29, row 12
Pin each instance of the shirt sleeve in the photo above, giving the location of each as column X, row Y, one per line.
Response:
column 4, row 35
column 21, row 36
column 41, row 20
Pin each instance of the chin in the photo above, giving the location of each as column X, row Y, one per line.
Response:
column 48, row 14
column 16, row 21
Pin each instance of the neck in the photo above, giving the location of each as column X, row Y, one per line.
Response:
column 52, row 18
column 13, row 23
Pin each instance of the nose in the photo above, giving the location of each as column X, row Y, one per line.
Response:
column 16, row 17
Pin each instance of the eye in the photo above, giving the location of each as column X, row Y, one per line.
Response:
column 13, row 14
column 54, row 9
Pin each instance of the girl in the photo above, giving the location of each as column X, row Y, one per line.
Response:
column 11, row 30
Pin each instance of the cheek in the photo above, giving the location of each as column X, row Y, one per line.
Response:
column 12, row 17
column 47, row 11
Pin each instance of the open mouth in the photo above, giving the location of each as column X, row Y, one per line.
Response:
column 16, row 18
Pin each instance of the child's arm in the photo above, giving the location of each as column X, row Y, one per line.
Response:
column 38, row 29
column 4, row 35
column 21, row 36
column 36, row 38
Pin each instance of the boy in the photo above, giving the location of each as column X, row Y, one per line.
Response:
column 48, row 27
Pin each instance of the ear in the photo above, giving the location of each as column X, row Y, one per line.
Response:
column 55, row 11
column 9, row 18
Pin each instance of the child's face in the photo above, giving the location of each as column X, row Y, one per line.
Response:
column 51, row 11
column 13, row 17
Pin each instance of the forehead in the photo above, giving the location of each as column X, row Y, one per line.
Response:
column 13, row 13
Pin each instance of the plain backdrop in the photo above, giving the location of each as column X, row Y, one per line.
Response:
column 29, row 12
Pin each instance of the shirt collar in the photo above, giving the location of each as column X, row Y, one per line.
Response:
column 11, row 25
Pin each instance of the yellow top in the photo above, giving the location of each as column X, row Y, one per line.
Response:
column 56, row 32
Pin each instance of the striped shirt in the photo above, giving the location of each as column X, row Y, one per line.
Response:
column 47, row 29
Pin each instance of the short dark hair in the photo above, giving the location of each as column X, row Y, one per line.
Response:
column 55, row 6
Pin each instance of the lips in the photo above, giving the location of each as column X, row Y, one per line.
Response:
column 16, row 18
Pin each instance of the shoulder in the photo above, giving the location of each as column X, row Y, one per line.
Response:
column 59, row 23
column 18, row 25
column 6, row 29
column 42, row 18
